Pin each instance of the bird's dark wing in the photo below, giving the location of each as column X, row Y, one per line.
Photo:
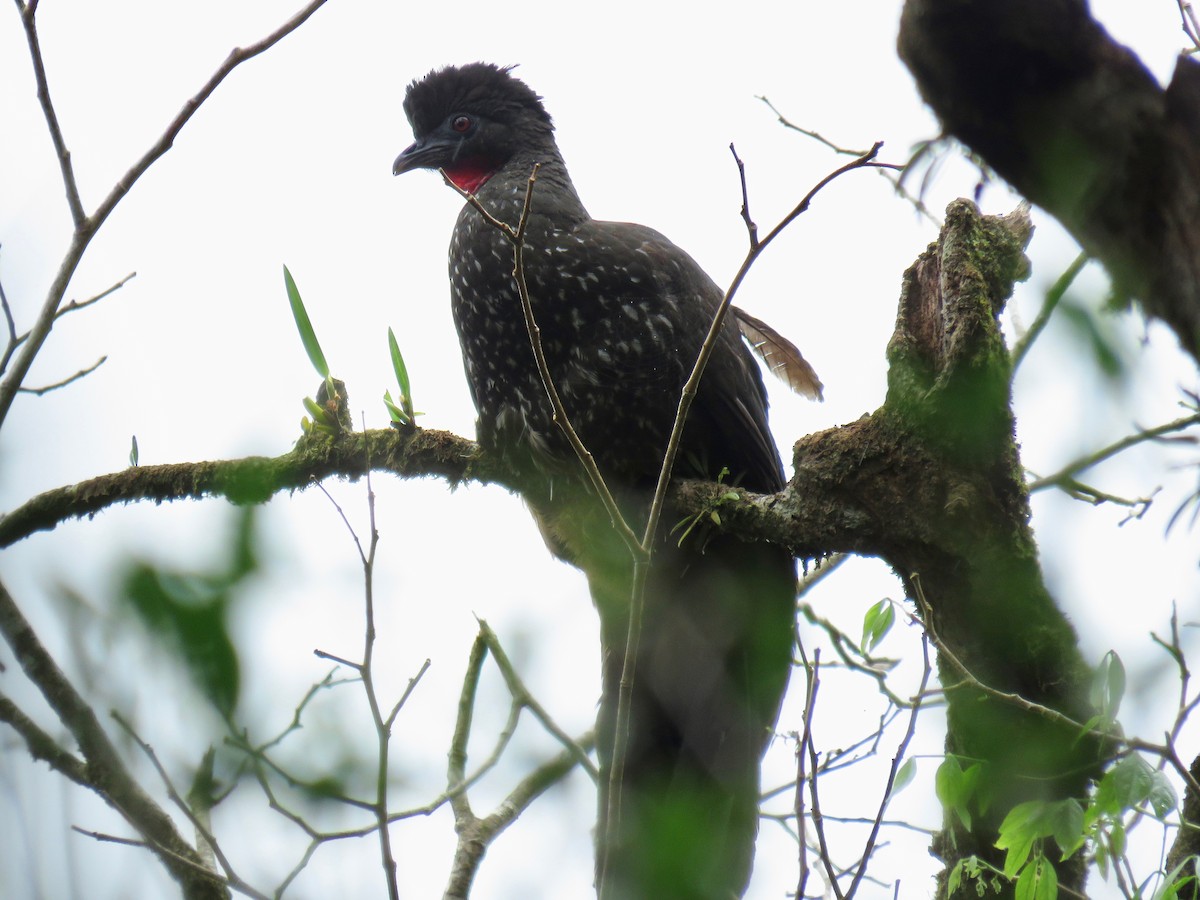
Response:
column 727, row 426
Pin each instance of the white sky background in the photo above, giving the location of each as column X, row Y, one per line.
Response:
column 290, row 161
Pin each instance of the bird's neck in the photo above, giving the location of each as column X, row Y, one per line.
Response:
column 554, row 194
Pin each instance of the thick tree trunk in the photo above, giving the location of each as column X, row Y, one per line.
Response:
column 932, row 484
column 1075, row 122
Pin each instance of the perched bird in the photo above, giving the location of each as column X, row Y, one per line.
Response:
column 622, row 314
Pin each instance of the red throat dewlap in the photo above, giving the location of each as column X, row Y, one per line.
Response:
column 470, row 176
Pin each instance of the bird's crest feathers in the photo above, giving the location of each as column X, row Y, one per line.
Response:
column 473, row 87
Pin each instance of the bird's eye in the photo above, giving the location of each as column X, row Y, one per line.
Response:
column 461, row 124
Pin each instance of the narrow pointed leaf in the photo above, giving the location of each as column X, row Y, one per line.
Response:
column 398, row 365
column 307, row 335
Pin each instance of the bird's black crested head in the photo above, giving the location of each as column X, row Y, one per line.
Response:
column 481, row 88
column 470, row 120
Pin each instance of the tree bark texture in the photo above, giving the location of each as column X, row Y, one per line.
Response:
column 1076, row 124
column 932, row 484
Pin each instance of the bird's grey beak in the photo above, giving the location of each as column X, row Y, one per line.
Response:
column 427, row 153
column 405, row 161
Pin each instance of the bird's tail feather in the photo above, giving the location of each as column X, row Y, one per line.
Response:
column 713, row 660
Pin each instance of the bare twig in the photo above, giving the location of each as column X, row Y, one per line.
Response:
column 1053, row 296
column 29, row 21
column 11, row 345
column 1065, row 475
column 107, row 774
column 798, row 803
column 814, row 797
column 475, row 834
column 41, row 745
column 340, row 660
column 382, row 726
column 86, row 225
column 896, row 761
column 474, row 840
column 787, row 123
column 522, row 696
column 1190, row 26
column 751, row 227
column 82, row 373
column 231, row 877
column 1165, row 750
column 15, row 340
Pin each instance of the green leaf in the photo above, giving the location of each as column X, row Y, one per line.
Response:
column 189, row 614
column 877, row 623
column 1038, row 881
column 1162, row 795
column 395, row 413
column 1126, row 785
column 954, row 879
column 904, row 777
column 1064, row 821
column 398, row 365
column 955, row 788
column 317, row 411
column 307, row 335
column 1116, row 839
column 948, row 780
column 1108, row 685
column 133, row 452
column 1023, row 825
column 1173, row 884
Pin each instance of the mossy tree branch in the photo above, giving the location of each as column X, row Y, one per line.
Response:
column 931, row 483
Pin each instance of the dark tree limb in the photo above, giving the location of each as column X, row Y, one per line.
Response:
column 1076, row 123
column 256, row 479
column 931, row 483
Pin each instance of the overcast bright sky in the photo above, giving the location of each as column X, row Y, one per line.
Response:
column 290, row 162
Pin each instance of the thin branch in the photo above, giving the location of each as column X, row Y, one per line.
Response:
column 340, row 660
column 76, row 305
column 1138, row 437
column 86, row 226
column 475, row 834
column 29, row 21
column 787, row 123
column 474, row 840
column 41, row 745
column 82, row 373
column 1190, row 26
column 11, row 346
column 896, row 761
column 408, row 691
column 798, row 802
column 106, row 773
column 1165, row 750
column 16, row 340
column 751, row 227
column 522, row 696
column 1053, row 296
column 817, row 820
column 231, row 877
